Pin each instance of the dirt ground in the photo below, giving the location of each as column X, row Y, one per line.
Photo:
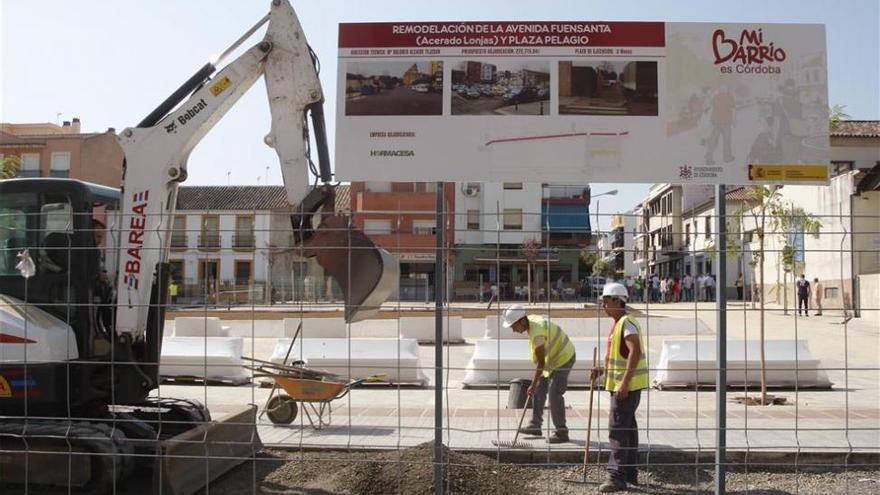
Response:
column 409, row 471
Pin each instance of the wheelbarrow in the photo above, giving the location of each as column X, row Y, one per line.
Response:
column 313, row 390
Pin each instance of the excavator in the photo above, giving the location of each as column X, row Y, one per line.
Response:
column 79, row 364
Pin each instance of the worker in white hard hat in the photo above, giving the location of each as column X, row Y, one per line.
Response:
column 554, row 356
column 626, row 374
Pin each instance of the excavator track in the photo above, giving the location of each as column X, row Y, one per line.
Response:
column 85, row 457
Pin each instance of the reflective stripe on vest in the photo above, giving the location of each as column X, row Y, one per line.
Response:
column 558, row 349
column 617, row 363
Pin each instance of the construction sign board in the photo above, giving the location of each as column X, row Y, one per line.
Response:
column 579, row 102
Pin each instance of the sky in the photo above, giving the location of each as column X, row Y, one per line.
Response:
column 111, row 62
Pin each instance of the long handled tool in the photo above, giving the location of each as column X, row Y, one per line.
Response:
column 505, row 443
column 589, row 427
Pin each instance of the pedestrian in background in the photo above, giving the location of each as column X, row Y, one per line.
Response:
column 688, row 283
column 818, row 292
column 739, row 287
column 803, row 295
column 664, row 289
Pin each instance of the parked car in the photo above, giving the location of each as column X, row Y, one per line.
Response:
column 421, row 88
column 472, row 93
column 523, row 95
column 544, row 93
column 368, row 89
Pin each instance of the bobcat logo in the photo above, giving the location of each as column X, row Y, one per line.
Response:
column 685, row 172
column 172, row 127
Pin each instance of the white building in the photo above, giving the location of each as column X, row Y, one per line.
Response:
column 845, row 257
column 497, row 213
column 227, row 241
column 618, row 245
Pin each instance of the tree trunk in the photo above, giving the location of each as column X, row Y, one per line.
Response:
column 761, row 326
column 529, row 280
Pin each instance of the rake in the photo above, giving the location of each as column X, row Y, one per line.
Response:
column 589, row 430
column 513, row 444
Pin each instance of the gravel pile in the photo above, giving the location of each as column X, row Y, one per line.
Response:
column 409, row 471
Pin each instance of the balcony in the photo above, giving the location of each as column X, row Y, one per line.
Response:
column 178, row 241
column 209, row 241
column 243, row 242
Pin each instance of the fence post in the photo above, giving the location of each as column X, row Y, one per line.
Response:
column 721, row 340
column 439, row 272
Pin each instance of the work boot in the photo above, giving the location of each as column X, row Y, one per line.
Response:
column 612, row 485
column 531, row 430
column 560, row 436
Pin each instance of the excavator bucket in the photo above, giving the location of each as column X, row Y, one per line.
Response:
column 192, row 460
column 367, row 274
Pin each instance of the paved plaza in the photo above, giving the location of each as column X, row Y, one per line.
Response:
column 842, row 420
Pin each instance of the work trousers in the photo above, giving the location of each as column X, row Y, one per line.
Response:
column 556, row 384
column 623, row 437
column 804, row 304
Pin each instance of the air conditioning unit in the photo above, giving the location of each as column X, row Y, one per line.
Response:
column 470, row 190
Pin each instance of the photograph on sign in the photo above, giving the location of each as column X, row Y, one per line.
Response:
column 501, row 87
column 607, row 87
column 701, row 103
column 394, row 88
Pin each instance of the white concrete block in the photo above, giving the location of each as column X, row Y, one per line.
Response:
column 495, row 330
column 212, row 358
column 317, row 328
column 788, row 363
column 422, row 328
column 358, row 358
column 499, row 361
column 199, row 326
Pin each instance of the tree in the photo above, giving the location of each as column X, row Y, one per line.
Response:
column 836, row 116
column 603, row 267
column 530, row 248
column 765, row 206
column 9, row 167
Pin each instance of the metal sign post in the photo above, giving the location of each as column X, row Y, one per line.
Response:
column 721, row 340
column 439, row 271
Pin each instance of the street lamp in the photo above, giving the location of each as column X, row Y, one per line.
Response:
column 612, row 192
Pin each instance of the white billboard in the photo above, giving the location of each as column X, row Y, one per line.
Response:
column 582, row 102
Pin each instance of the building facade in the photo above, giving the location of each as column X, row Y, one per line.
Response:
column 522, row 238
column 232, row 245
column 401, row 217
column 49, row 150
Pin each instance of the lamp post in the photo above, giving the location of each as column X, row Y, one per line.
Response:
column 612, row 192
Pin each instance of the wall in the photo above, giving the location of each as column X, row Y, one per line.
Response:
column 493, row 198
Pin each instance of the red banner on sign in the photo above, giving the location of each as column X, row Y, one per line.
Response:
column 487, row 34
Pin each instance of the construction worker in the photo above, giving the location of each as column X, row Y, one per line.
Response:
column 554, row 356
column 626, row 374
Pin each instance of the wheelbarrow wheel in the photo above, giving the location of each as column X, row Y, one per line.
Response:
column 282, row 410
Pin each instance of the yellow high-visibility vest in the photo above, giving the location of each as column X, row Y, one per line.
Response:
column 172, row 290
column 616, row 363
column 558, row 349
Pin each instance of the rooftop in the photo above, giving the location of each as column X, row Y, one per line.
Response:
column 857, row 128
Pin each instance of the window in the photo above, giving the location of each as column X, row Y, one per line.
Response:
column 513, row 186
column 60, row 165
column 473, row 220
column 749, row 236
column 210, row 236
column 424, row 227
column 687, row 234
column 426, row 187
column 838, row 168
column 708, row 222
column 377, row 227
column 513, row 219
column 178, row 232
column 177, row 269
column 244, row 232
column 30, row 165
column 832, row 293
column 242, row 273
column 377, row 186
